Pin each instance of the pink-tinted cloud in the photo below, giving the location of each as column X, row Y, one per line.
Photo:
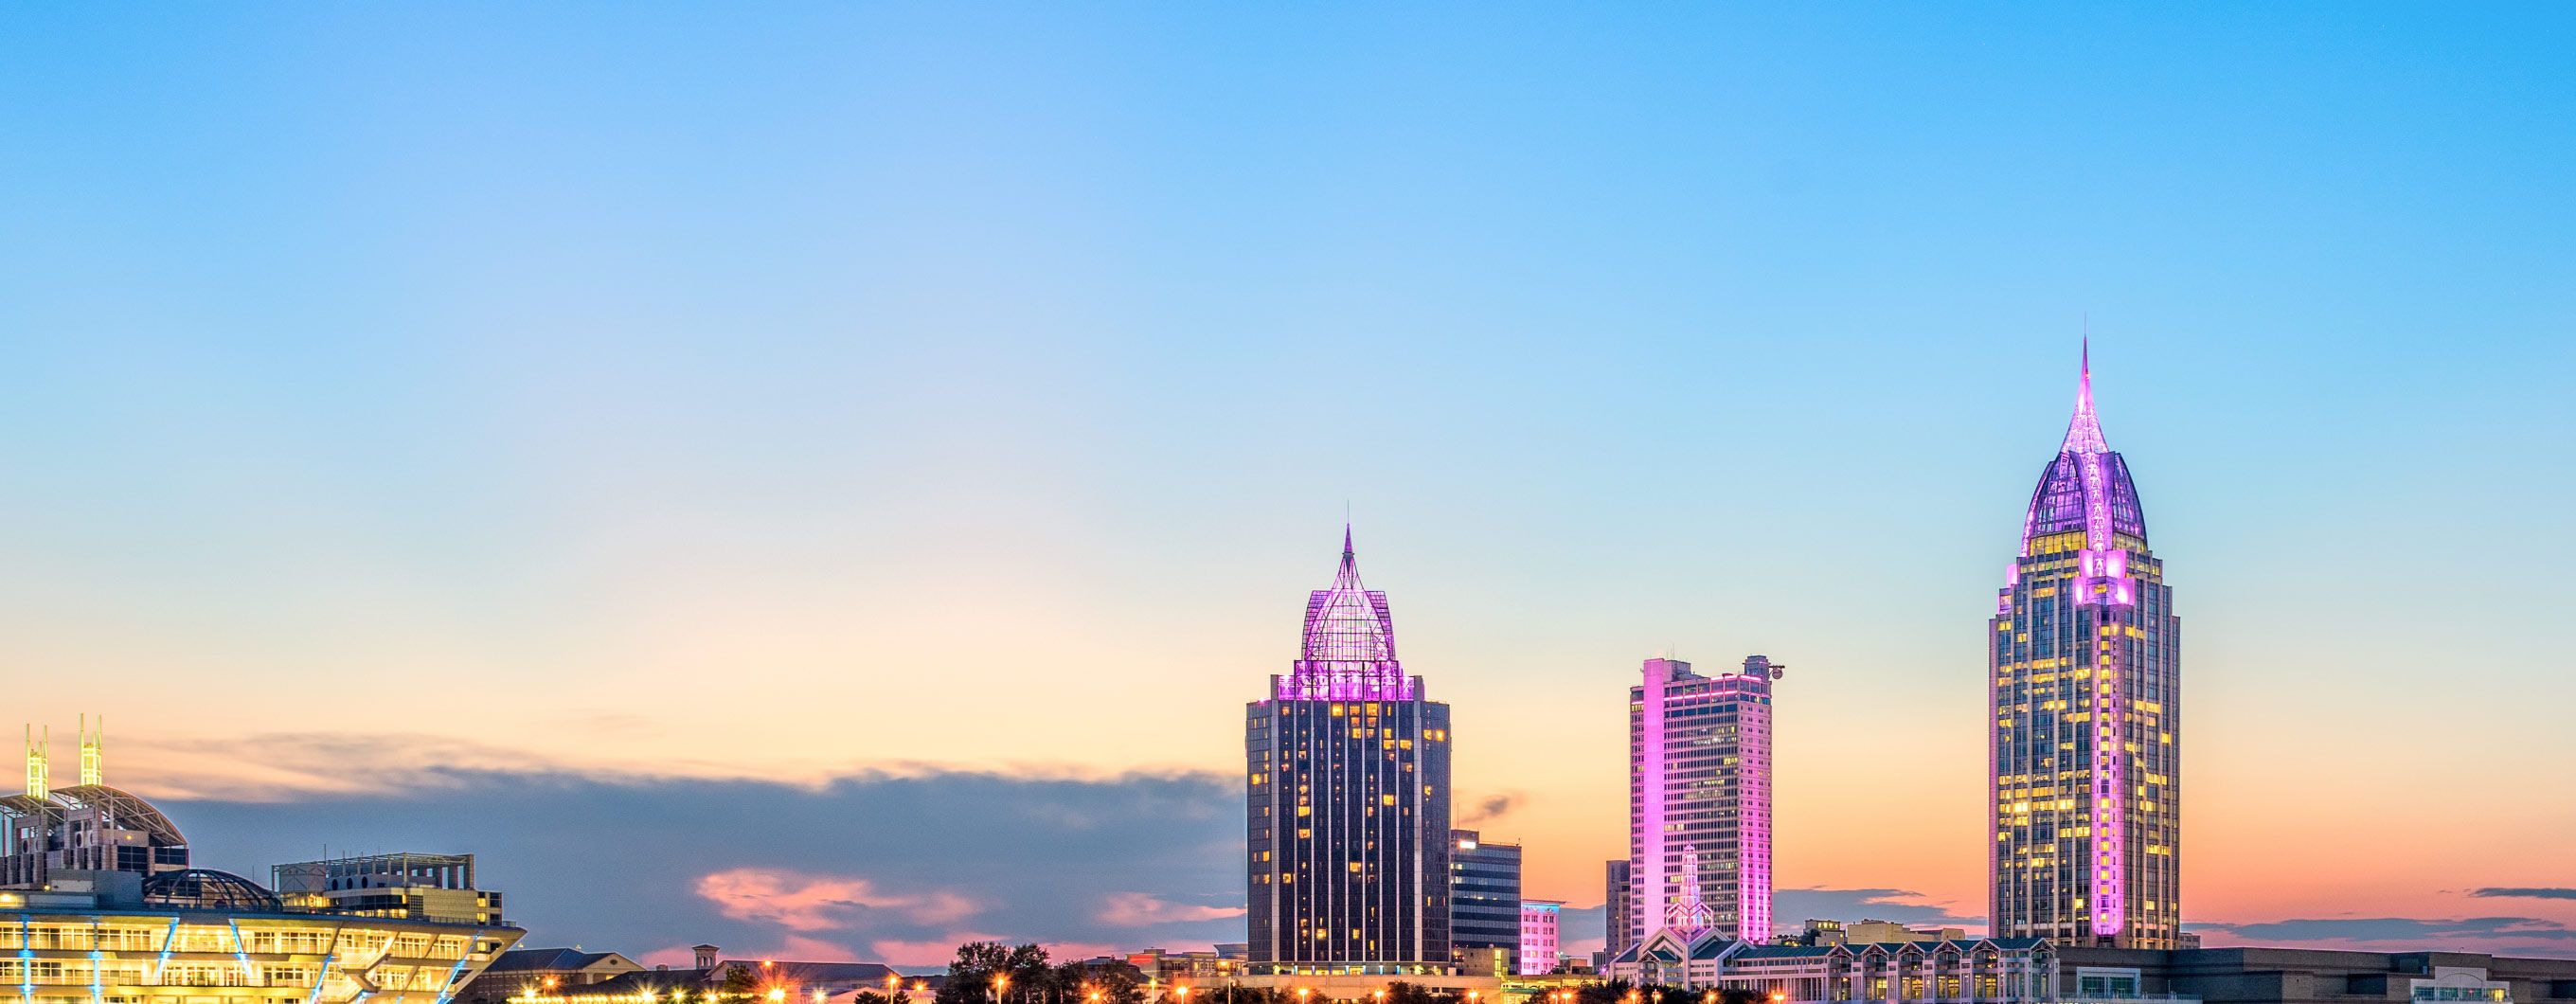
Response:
column 1137, row 909
column 803, row 902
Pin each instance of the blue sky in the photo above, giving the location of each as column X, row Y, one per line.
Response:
column 784, row 395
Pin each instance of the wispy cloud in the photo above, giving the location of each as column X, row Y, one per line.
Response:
column 2393, row 929
column 2524, row 892
column 1492, row 807
column 1137, row 909
column 819, row 902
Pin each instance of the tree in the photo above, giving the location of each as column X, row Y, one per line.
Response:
column 1116, row 981
column 739, row 984
column 971, row 976
column 873, row 997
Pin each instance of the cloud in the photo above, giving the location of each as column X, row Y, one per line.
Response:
column 2412, row 930
column 2524, row 892
column 818, row 902
column 891, row 865
column 1137, row 909
column 1791, row 908
column 1493, row 807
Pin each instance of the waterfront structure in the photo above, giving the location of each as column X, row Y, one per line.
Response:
column 1484, row 904
column 2084, row 681
column 99, row 906
column 435, row 886
column 1618, row 909
column 1347, row 816
column 1699, row 802
column 1538, row 936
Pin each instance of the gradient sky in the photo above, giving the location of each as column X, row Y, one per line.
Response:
column 413, row 401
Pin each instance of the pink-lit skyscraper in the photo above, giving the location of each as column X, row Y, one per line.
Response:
column 1699, row 801
column 1347, row 769
column 2085, row 666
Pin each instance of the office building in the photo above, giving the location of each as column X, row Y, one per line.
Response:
column 1699, row 801
column 1347, row 766
column 1538, row 936
column 1618, row 916
column 100, row 907
column 1484, row 904
column 2086, row 753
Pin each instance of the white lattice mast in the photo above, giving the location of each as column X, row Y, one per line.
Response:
column 38, row 784
column 93, row 751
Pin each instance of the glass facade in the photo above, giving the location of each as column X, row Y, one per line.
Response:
column 1484, row 903
column 2084, row 653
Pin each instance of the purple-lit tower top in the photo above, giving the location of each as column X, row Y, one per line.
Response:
column 1349, row 649
column 2087, row 487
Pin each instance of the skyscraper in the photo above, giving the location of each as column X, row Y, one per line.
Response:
column 1484, row 904
column 2085, row 665
column 1699, row 801
column 1347, row 861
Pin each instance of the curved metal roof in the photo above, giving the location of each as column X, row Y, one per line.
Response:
column 207, row 889
column 129, row 810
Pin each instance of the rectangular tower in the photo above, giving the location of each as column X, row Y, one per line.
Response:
column 2084, row 684
column 1699, row 801
column 1618, row 907
column 1347, row 815
column 1484, row 904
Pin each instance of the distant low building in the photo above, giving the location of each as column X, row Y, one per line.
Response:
column 545, row 969
column 1867, row 932
column 1166, row 969
column 431, row 886
column 769, row 980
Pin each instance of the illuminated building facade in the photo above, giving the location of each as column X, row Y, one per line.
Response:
column 1538, row 936
column 2085, row 667
column 1484, row 904
column 100, row 907
column 1347, row 857
column 1699, row 802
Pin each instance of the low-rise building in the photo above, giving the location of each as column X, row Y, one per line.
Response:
column 1538, row 936
column 2033, row 971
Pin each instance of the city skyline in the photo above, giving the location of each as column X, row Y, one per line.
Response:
column 712, row 402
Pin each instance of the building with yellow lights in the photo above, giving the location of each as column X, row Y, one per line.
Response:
column 98, row 905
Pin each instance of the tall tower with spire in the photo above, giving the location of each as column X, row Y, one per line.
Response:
column 2084, row 654
column 1347, row 769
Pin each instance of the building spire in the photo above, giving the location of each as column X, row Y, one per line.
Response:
column 93, row 751
column 1349, row 574
column 38, row 784
column 2084, row 432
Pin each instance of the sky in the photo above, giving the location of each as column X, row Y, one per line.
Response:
column 825, row 478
